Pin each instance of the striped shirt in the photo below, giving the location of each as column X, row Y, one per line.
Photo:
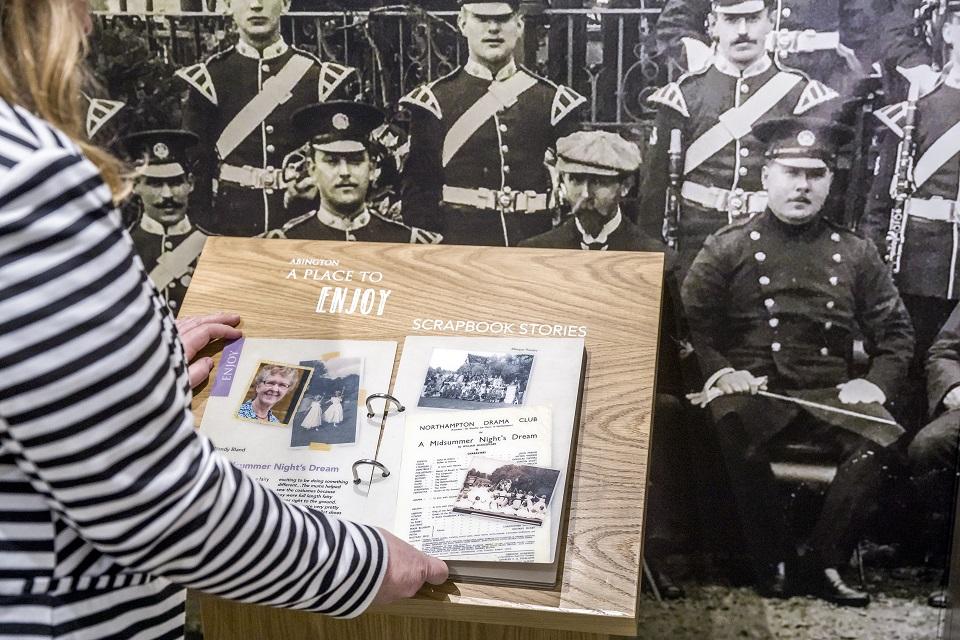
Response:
column 110, row 502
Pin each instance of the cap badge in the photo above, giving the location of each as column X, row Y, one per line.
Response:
column 341, row 121
column 161, row 151
column 806, row 138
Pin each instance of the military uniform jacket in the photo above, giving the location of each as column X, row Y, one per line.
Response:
column 930, row 262
column 220, row 89
column 153, row 242
column 787, row 301
column 505, row 152
column 715, row 110
column 367, row 227
column 943, row 363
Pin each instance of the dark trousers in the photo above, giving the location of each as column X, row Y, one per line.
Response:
column 849, row 502
column 928, row 316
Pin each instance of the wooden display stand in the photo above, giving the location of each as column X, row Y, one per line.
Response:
column 616, row 296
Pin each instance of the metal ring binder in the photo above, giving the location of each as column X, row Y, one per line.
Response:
column 383, row 396
column 384, row 472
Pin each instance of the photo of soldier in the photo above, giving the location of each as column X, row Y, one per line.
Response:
column 715, row 110
column 240, row 102
column 773, row 304
column 167, row 241
column 912, row 207
column 829, row 41
column 340, row 168
column 479, row 138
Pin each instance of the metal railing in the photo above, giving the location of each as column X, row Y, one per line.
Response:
column 607, row 54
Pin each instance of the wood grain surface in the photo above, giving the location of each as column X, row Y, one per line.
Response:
column 615, row 295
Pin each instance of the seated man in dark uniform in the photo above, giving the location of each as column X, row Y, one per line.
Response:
column 166, row 239
column 773, row 305
column 342, row 170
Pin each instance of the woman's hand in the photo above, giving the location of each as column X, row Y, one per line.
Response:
column 196, row 332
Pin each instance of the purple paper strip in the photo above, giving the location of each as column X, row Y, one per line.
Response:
column 227, row 369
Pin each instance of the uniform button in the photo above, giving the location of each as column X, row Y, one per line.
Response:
column 506, row 169
column 764, row 280
column 744, row 88
column 271, row 148
column 171, row 285
column 508, row 190
column 774, row 322
column 172, row 304
column 824, row 351
column 505, row 148
column 786, row 12
column 828, row 325
column 834, row 280
column 270, row 169
column 744, row 152
column 835, row 237
column 760, row 256
column 754, row 235
column 186, row 280
column 743, row 171
column 831, row 304
column 168, row 245
column 775, row 346
column 503, row 128
column 269, row 192
column 265, row 67
column 768, row 303
column 837, row 258
column 269, row 128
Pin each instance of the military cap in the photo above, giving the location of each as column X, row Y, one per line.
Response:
column 159, row 153
column 491, row 8
column 806, row 143
column 739, row 7
column 338, row 126
column 597, row 152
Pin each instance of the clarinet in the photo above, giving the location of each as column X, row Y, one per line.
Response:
column 671, row 214
column 904, row 185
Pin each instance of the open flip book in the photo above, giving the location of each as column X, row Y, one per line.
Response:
column 469, row 456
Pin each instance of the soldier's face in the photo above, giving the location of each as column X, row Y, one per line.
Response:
column 741, row 38
column 343, row 180
column 258, row 20
column 796, row 195
column 592, row 193
column 164, row 200
column 491, row 39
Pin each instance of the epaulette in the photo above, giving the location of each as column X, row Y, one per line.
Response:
column 99, row 113
column 923, row 78
column 814, row 94
column 296, row 222
column 332, row 75
column 565, row 100
column 671, row 96
column 424, row 98
column 893, row 116
column 198, row 77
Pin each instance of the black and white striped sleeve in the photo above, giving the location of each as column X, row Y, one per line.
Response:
column 95, row 408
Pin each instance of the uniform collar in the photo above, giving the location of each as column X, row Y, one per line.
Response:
column 477, row 70
column 153, row 227
column 726, row 67
column 612, row 225
column 275, row 50
column 332, row 220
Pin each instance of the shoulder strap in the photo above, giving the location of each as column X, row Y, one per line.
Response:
column 198, row 77
column 275, row 92
column 893, row 116
column 99, row 113
column 174, row 264
column 937, row 155
column 671, row 96
column 737, row 122
column 424, row 98
column 332, row 75
column 499, row 95
column 565, row 100
column 815, row 93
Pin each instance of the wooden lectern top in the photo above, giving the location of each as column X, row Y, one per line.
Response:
column 615, row 296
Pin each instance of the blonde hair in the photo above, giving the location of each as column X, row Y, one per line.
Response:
column 42, row 49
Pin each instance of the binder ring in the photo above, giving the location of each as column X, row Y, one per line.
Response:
column 383, row 396
column 384, row 472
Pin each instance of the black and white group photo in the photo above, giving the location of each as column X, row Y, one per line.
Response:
column 515, row 492
column 797, row 162
column 459, row 379
column 327, row 413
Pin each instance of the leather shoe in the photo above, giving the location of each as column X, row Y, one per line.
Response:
column 835, row 590
column 774, row 583
column 939, row 599
column 669, row 590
